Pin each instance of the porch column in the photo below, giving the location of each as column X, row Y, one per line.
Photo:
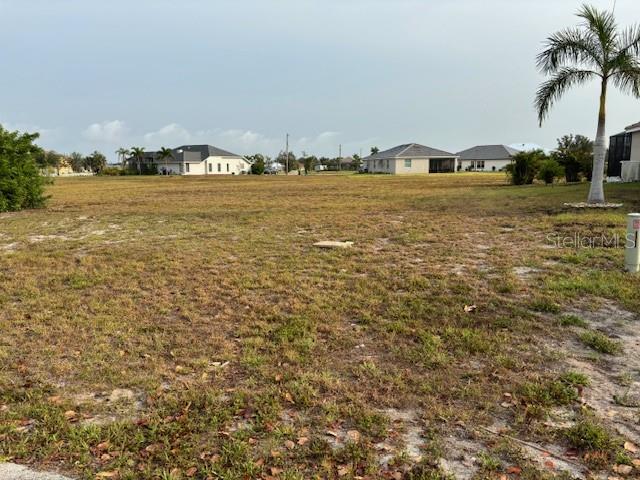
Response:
column 455, row 164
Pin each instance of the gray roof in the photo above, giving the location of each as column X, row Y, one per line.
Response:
column 633, row 128
column 488, row 152
column 410, row 150
column 206, row 151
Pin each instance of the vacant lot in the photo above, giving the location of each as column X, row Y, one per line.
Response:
column 187, row 328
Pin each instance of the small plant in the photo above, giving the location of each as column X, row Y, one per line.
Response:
column 575, row 379
column 600, row 343
column 572, row 321
column 551, row 393
column 545, row 305
column 488, row 462
column 590, row 436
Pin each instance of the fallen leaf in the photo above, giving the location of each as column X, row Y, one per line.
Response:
column 343, row 470
column 303, row 441
column 550, row 465
column 288, row 397
column 470, row 308
column 514, row 470
column 191, row 471
column 101, row 447
column 275, row 453
column 71, row 415
column 630, row 447
column 289, row 444
column 276, row 471
column 175, row 473
column 331, row 433
column 353, row 435
column 108, row 474
column 636, row 463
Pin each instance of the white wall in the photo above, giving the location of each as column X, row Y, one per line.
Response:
column 635, row 147
column 488, row 165
column 236, row 166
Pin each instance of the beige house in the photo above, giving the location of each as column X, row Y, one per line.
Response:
column 411, row 158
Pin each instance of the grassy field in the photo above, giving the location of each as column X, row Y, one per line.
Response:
column 187, row 328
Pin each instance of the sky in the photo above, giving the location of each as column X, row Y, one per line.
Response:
column 240, row 74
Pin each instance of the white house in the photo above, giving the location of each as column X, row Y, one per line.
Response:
column 199, row 160
column 486, row 158
column 411, row 158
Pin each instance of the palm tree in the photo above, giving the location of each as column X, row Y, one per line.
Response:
column 596, row 50
column 138, row 154
column 165, row 154
column 123, row 153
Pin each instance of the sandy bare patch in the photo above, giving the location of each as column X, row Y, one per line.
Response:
column 614, row 392
column 11, row 471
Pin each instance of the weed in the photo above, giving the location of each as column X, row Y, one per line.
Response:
column 600, row 343
column 573, row 321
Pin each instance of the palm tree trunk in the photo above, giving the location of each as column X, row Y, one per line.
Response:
column 596, row 192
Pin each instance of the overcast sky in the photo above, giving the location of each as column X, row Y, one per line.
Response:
column 239, row 74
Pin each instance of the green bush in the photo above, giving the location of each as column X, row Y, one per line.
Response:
column 111, row 171
column 549, row 171
column 21, row 184
column 525, row 167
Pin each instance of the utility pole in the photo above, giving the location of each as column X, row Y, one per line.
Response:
column 339, row 157
column 286, row 161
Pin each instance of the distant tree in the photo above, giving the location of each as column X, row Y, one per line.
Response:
column 309, row 162
column 96, row 162
column 21, row 184
column 257, row 163
column 597, row 50
column 165, row 154
column 525, row 166
column 575, row 155
column 290, row 163
column 137, row 153
column 357, row 162
column 76, row 160
column 549, row 170
column 374, row 150
column 123, row 154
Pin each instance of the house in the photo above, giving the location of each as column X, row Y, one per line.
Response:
column 411, row 158
column 199, row 160
column 486, row 158
column 624, row 154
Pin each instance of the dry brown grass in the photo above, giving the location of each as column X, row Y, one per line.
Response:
column 154, row 284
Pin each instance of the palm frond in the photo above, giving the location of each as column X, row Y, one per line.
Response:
column 626, row 73
column 572, row 45
column 629, row 40
column 601, row 23
column 553, row 89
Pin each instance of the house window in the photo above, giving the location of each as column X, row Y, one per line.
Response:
column 211, row 167
column 387, row 164
column 219, row 167
column 407, row 163
column 227, row 167
column 187, row 167
column 480, row 165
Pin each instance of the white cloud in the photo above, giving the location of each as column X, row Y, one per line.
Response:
column 170, row 134
column 106, row 132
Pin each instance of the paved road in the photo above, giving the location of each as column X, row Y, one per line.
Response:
column 11, row 471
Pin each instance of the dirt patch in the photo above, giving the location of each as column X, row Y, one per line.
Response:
column 12, row 471
column 406, row 432
column 118, row 404
column 525, row 273
column 614, row 390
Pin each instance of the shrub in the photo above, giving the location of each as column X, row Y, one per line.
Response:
column 21, row 184
column 111, row 171
column 549, row 171
column 525, row 167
